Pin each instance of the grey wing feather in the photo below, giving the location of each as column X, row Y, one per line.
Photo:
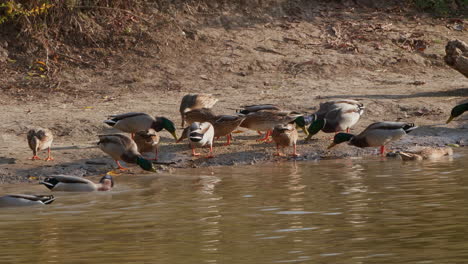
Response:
column 125, row 115
column 70, row 179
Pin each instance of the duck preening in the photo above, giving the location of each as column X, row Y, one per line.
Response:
column 134, row 122
column 25, row 200
column 40, row 139
column 68, row 183
column 376, row 134
column 200, row 135
column 121, row 147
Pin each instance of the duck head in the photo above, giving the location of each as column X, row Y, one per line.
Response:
column 164, row 123
column 457, row 111
column 107, row 182
column 145, row 164
column 340, row 138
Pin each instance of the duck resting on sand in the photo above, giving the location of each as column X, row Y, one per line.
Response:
column 133, row 122
column 285, row 136
column 376, row 134
column 25, row 200
column 40, row 139
column 67, row 183
column 425, row 153
column 195, row 101
column 121, row 147
column 457, row 111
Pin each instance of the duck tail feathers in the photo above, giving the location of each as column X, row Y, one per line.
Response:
column 110, row 122
column 409, row 127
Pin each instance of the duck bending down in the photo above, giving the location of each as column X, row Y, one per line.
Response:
column 376, row 134
column 285, row 136
column 40, row 139
column 195, row 101
column 121, row 147
column 68, row 183
column 266, row 120
column 338, row 117
column 25, row 200
column 457, row 111
column 147, row 141
column 133, row 122
column 200, row 135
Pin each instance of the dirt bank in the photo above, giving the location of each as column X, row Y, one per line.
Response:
column 390, row 60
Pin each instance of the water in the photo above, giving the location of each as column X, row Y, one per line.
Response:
column 342, row 211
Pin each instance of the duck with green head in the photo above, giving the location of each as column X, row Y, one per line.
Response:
column 457, row 111
column 335, row 116
column 121, row 147
column 375, row 135
column 134, row 122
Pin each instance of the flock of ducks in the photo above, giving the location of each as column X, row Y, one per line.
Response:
column 204, row 126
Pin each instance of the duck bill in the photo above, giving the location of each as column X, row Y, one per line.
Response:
column 449, row 120
column 153, row 170
column 331, row 145
column 305, row 130
column 174, row 135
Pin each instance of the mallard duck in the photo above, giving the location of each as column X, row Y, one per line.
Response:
column 134, row 122
column 200, row 135
column 67, row 183
column 25, row 200
column 376, row 134
column 266, row 120
column 428, row 153
column 195, row 101
column 333, row 117
column 246, row 109
column 199, row 115
column 147, row 141
column 223, row 125
column 285, row 136
column 121, row 147
column 457, row 111
column 40, row 139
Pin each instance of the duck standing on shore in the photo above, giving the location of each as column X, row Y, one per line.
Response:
column 285, row 136
column 68, row 183
column 40, row 139
column 376, row 134
column 195, row 101
column 121, row 147
column 134, row 122
column 200, row 135
column 147, row 141
column 335, row 116
column 266, row 120
column 223, row 125
column 457, row 111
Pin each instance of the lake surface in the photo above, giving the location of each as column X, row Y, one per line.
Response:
column 338, row 211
